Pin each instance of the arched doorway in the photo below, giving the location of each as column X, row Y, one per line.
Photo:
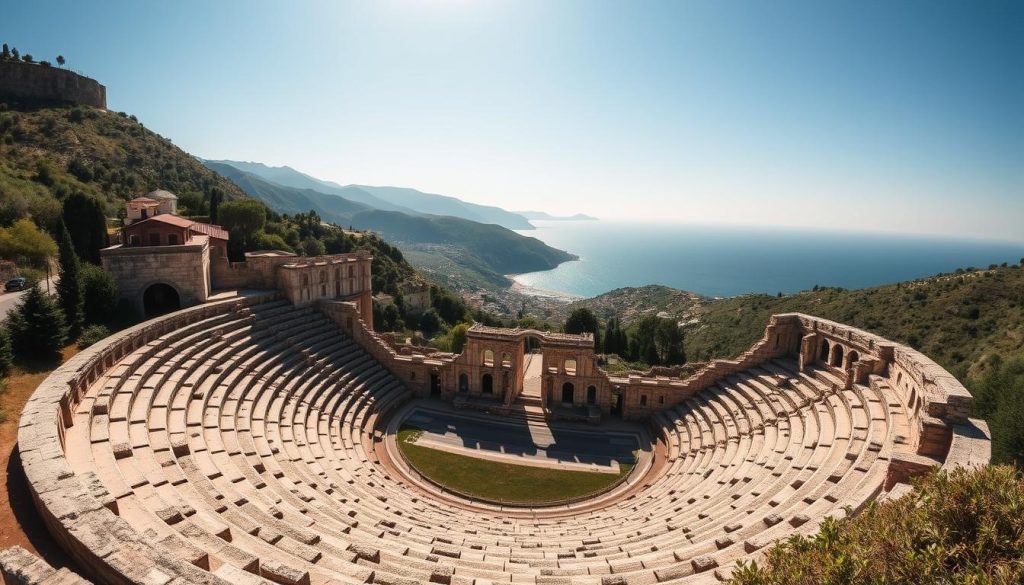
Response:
column 435, row 384
column 837, row 356
column 487, row 384
column 823, row 355
column 591, row 395
column 160, row 299
column 463, row 383
column 568, row 392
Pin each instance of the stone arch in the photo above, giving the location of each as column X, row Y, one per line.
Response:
column 487, row 384
column 160, row 298
column 506, row 360
column 463, row 383
column 823, row 353
column 591, row 395
column 568, row 393
column 837, row 356
column 851, row 358
column 488, row 357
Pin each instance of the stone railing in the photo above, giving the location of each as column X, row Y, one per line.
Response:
column 75, row 508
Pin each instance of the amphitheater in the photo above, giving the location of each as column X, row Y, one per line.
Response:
column 249, row 440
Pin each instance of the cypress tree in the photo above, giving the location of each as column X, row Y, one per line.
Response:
column 87, row 224
column 36, row 325
column 69, row 286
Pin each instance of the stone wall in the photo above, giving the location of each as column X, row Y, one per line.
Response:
column 186, row 268
column 33, row 82
column 76, row 508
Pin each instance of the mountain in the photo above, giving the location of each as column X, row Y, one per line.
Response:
column 402, row 199
column 444, row 205
column 475, row 254
column 545, row 216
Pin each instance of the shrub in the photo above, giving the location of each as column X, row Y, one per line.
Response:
column 963, row 526
column 69, row 286
column 91, row 335
column 6, row 357
column 100, row 292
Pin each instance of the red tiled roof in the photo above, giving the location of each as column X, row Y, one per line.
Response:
column 214, row 231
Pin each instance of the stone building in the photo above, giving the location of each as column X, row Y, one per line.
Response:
column 165, row 262
column 38, row 83
column 415, row 297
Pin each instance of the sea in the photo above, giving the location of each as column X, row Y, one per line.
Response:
column 723, row 261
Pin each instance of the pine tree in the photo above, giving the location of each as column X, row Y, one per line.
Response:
column 36, row 325
column 69, row 287
column 5, row 351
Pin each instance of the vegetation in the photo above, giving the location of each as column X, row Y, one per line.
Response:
column 656, row 341
column 91, row 335
column 49, row 154
column 84, row 218
column 497, row 481
column 6, row 354
column 958, row 527
column 615, row 339
column 582, row 320
column 100, row 294
column 26, row 244
column 37, row 326
column 69, row 286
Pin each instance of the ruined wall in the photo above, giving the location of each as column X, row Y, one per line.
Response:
column 27, row 81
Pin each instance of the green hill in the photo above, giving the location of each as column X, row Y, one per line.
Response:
column 46, row 153
column 455, row 251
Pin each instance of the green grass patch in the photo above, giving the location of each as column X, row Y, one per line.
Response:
column 505, row 482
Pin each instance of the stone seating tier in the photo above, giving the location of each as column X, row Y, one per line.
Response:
column 243, row 442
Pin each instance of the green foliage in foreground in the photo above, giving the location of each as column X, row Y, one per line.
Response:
column 36, row 325
column 91, row 335
column 502, row 481
column 961, row 527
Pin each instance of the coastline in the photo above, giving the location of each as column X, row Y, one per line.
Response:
column 533, row 291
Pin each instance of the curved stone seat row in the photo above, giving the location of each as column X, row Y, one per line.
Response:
column 239, row 442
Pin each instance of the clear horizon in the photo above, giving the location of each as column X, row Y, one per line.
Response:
column 897, row 117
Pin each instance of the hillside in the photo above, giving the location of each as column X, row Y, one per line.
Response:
column 959, row 320
column 47, row 153
column 411, row 201
column 461, row 253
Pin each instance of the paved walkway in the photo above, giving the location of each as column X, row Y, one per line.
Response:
column 532, row 370
column 535, row 444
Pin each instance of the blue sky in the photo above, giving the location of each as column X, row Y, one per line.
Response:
column 891, row 116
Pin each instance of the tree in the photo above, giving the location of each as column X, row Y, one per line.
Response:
column 582, row 320
column 615, row 338
column 313, row 247
column 60, row 60
column 15, row 54
column 216, row 198
column 244, row 218
column 6, row 54
column 87, row 224
column 5, row 351
column 28, row 58
column 430, row 322
column 25, row 243
column 69, row 286
column 37, row 325
column 99, row 292
column 386, row 317
column 668, row 338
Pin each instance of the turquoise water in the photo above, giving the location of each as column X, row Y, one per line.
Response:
column 727, row 261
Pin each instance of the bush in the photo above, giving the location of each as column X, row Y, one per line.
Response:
column 100, row 292
column 91, row 335
column 964, row 526
column 6, row 357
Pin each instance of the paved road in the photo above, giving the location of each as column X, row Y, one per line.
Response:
column 9, row 299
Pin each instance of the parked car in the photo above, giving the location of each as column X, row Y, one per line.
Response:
column 20, row 283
